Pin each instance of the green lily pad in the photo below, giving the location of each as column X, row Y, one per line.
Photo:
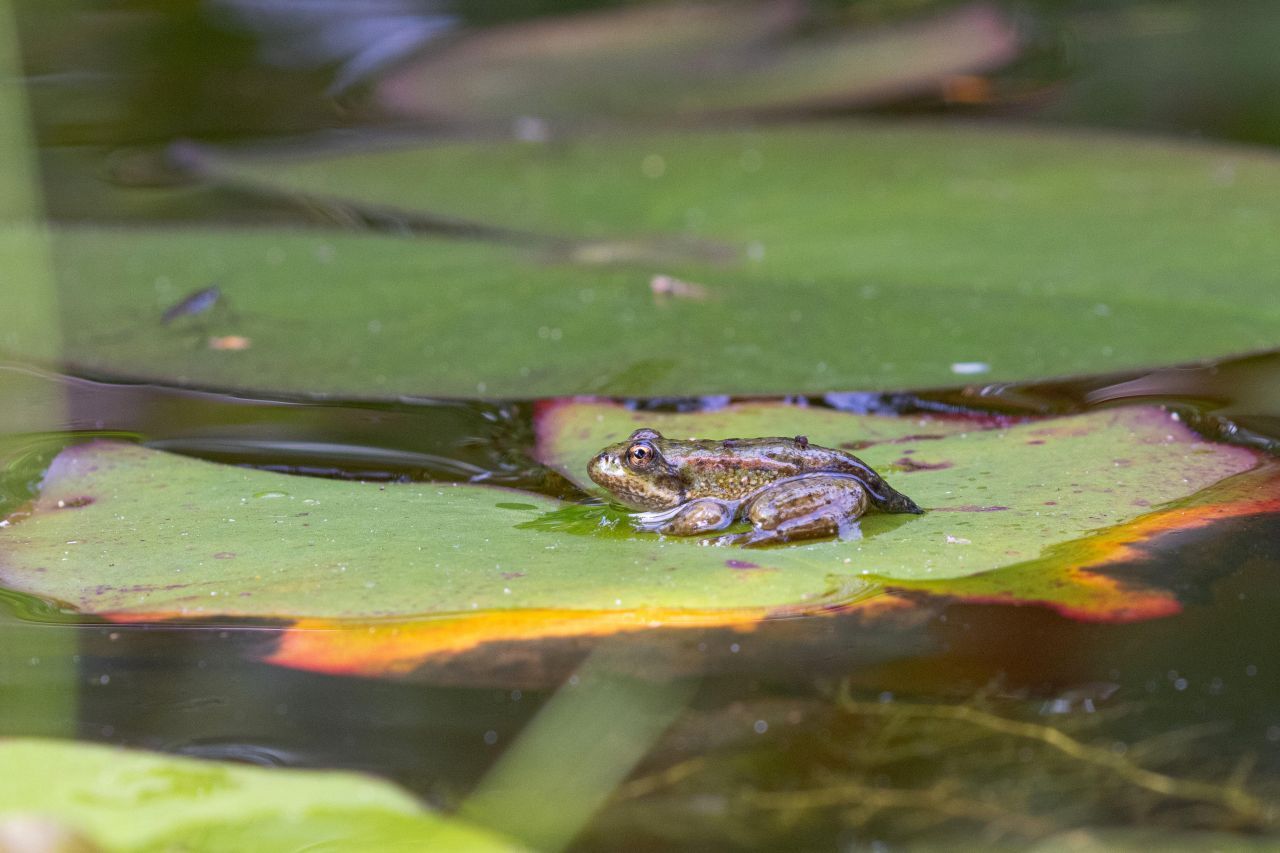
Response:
column 360, row 316
column 868, row 257
column 136, row 533
column 1005, row 491
column 124, row 800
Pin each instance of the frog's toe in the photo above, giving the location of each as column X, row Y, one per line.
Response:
column 761, row 538
column 749, row 539
column 745, row 539
column 895, row 501
column 848, row 530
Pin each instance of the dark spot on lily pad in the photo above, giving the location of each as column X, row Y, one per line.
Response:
column 908, row 465
column 74, row 503
column 969, row 508
column 224, row 555
column 740, row 564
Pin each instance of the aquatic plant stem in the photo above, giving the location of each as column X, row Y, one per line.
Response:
column 872, row 798
column 1247, row 808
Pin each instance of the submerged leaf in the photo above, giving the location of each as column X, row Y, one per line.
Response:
column 128, row 800
column 691, row 58
column 863, row 256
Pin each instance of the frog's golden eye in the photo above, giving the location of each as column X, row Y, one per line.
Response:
column 641, row 454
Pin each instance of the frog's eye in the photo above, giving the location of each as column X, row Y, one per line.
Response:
column 641, row 454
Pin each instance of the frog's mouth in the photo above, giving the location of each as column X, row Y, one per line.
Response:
column 607, row 470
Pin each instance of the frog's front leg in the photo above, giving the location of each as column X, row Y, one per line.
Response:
column 806, row 507
column 705, row 515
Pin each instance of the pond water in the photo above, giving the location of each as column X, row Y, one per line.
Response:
column 421, row 220
column 1005, row 723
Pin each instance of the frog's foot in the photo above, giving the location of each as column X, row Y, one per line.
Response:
column 809, row 527
column 705, row 515
column 889, row 499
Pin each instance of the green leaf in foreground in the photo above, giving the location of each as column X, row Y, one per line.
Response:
column 126, row 800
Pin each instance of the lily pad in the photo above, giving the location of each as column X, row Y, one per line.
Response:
column 572, row 431
column 124, row 800
column 138, row 534
column 329, row 314
column 989, row 474
column 1016, row 496
column 866, row 256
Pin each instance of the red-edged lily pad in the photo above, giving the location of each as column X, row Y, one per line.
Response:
column 1017, row 512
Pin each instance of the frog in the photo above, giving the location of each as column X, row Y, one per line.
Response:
column 787, row 489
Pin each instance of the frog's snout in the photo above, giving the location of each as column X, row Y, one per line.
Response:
column 604, row 468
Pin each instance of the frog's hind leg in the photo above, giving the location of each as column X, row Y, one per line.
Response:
column 809, row 507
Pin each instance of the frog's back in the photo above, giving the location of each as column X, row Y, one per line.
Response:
column 735, row 468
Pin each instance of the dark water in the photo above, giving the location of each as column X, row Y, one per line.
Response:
column 815, row 732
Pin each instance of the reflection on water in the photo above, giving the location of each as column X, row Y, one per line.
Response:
column 1010, row 721
column 359, row 39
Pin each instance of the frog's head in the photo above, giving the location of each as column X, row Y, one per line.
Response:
column 636, row 473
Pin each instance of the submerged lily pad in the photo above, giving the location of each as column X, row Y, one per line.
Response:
column 691, row 58
column 863, row 256
column 141, row 534
column 361, row 316
column 124, row 800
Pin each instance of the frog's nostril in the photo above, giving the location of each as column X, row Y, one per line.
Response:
column 604, row 468
column 594, row 466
